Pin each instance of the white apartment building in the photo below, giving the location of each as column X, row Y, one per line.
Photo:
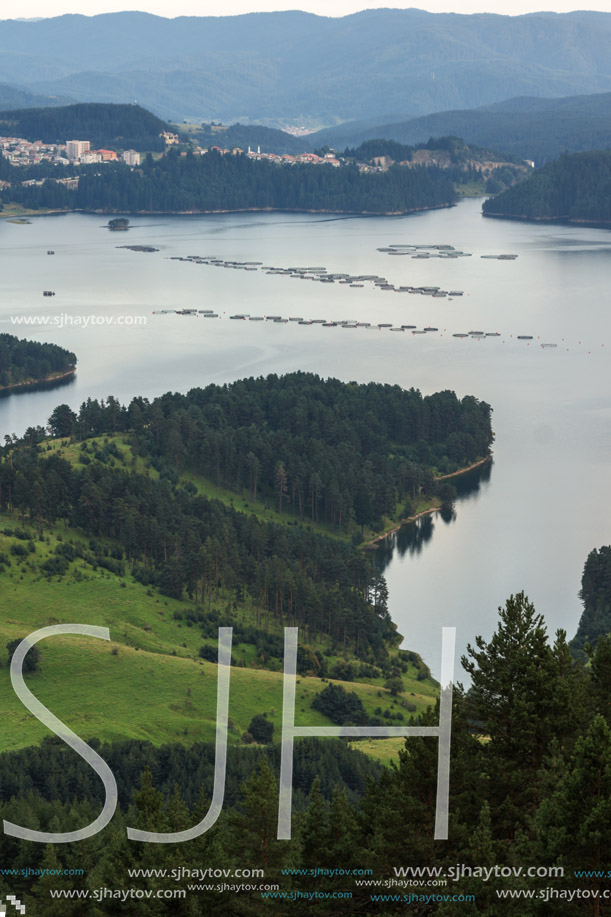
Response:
column 131, row 157
column 76, row 148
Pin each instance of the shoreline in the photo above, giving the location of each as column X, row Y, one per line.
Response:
column 561, row 221
column 455, row 474
column 49, row 380
column 368, row 546
column 368, row 213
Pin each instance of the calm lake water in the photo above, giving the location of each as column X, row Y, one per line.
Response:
column 527, row 525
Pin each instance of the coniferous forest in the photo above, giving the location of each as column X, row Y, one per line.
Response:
column 212, row 181
column 529, row 807
column 596, row 597
column 104, row 125
column 25, row 361
column 575, row 188
column 318, row 451
column 531, row 740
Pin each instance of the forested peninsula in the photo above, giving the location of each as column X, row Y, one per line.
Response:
column 239, row 505
column 575, row 188
column 213, row 182
column 256, row 491
column 341, row 454
column 25, row 362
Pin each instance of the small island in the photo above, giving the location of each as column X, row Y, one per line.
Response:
column 118, row 224
column 28, row 363
column 139, row 248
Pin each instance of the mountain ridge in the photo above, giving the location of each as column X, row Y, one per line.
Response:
column 290, row 67
column 538, row 129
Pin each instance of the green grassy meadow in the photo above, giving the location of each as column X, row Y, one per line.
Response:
column 149, row 681
column 243, row 502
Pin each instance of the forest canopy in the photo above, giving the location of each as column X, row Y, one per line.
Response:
column 575, row 187
column 210, row 182
column 317, row 449
column 107, row 126
column 26, row 361
column 320, row 451
column 595, row 594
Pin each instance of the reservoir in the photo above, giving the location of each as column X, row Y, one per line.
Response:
column 527, row 523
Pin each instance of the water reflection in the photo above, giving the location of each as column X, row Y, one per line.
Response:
column 38, row 387
column 447, row 514
column 410, row 539
column 470, row 484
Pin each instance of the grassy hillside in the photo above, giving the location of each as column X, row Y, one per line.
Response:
column 243, row 501
column 149, row 682
column 109, row 529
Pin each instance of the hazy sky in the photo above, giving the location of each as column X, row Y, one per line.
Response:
column 13, row 9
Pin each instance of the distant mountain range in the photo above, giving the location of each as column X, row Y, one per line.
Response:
column 529, row 127
column 526, row 126
column 293, row 67
column 243, row 136
column 13, row 97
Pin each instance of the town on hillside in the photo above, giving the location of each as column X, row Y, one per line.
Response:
column 21, row 152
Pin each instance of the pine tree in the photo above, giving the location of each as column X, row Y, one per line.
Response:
column 51, row 881
column 574, row 823
column 253, row 825
column 343, row 830
column 512, row 701
column 601, row 676
column 398, row 812
column 314, row 830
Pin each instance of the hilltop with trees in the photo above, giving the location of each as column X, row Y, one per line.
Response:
column 213, row 182
column 318, row 450
column 23, row 361
column 187, row 513
column 575, row 188
column 105, row 125
column 529, row 127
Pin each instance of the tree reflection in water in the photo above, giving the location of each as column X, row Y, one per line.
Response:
column 411, row 538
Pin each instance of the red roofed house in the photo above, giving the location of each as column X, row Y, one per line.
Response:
column 107, row 155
